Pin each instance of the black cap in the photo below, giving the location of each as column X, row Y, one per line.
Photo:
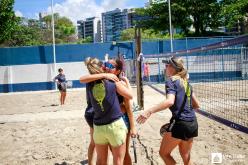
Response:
column 171, row 61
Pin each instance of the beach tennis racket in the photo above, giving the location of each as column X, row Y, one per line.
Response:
column 164, row 128
column 69, row 84
column 134, row 150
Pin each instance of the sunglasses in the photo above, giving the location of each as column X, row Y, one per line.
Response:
column 109, row 65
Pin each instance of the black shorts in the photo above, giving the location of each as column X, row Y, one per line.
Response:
column 61, row 89
column 184, row 130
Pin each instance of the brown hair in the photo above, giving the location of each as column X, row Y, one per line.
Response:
column 60, row 70
column 94, row 65
column 119, row 63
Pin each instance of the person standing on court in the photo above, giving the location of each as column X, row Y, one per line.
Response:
column 114, row 69
column 61, row 84
column 146, row 71
column 108, row 124
column 181, row 101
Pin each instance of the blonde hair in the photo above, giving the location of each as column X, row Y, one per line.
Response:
column 94, row 65
column 181, row 71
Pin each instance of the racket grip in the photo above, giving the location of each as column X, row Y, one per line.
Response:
column 134, row 150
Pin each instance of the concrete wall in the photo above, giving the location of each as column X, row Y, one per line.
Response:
column 31, row 68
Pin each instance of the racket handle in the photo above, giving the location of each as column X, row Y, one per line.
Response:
column 134, row 151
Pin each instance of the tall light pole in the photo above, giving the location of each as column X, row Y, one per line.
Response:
column 54, row 54
column 171, row 34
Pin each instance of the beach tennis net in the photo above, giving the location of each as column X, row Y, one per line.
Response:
column 219, row 76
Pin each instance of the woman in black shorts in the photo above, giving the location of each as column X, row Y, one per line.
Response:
column 61, row 84
column 182, row 102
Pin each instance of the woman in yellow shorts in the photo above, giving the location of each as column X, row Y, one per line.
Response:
column 109, row 127
column 113, row 69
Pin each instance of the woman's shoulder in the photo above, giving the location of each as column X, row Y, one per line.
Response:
column 172, row 80
column 92, row 83
column 175, row 81
column 175, row 78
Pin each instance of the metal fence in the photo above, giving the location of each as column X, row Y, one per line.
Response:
column 219, row 78
column 213, row 65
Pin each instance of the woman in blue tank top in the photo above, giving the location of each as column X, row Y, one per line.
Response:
column 115, row 67
column 61, row 84
column 181, row 101
column 109, row 127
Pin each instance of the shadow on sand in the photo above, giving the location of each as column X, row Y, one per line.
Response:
column 83, row 162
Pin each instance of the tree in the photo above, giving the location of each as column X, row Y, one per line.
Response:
column 128, row 35
column 204, row 13
column 64, row 28
column 235, row 12
column 26, row 36
column 86, row 40
column 8, row 20
column 200, row 14
column 155, row 17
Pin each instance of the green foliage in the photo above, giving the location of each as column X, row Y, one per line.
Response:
column 147, row 34
column 25, row 36
column 155, row 17
column 85, row 40
column 200, row 14
column 8, row 20
column 204, row 13
column 64, row 27
column 30, row 32
column 234, row 11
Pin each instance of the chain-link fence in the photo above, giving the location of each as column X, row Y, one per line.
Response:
column 219, row 78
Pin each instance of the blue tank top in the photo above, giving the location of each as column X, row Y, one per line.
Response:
column 61, row 78
column 89, row 109
column 104, row 100
column 174, row 86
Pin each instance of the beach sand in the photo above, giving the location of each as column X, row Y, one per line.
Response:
column 35, row 129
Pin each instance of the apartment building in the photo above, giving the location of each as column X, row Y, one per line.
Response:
column 115, row 21
column 91, row 27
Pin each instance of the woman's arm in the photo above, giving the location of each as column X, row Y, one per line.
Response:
column 128, row 106
column 159, row 107
column 93, row 77
column 127, row 83
column 123, row 90
column 195, row 102
column 55, row 78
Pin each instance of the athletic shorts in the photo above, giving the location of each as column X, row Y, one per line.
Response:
column 62, row 87
column 126, row 120
column 114, row 133
column 184, row 130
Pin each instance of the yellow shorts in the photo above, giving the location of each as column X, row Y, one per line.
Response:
column 114, row 133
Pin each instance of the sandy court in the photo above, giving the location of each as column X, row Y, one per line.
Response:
column 34, row 129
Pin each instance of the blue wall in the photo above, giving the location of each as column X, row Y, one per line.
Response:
column 78, row 52
column 66, row 54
